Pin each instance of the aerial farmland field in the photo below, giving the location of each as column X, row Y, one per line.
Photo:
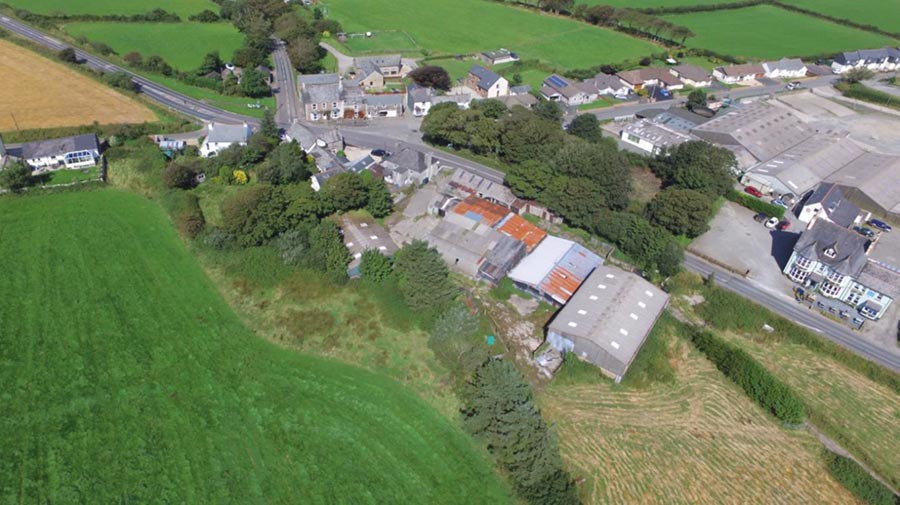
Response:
column 129, row 379
column 467, row 26
column 764, row 31
column 880, row 13
column 183, row 8
column 182, row 45
column 36, row 92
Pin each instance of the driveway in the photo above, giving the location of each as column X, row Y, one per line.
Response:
column 345, row 63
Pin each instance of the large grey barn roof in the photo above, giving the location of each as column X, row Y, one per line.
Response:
column 877, row 176
column 849, row 247
column 764, row 130
column 806, row 164
column 56, row 147
column 609, row 317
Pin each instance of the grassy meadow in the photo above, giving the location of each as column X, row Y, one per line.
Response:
column 468, row 26
column 764, row 31
column 183, row 8
column 182, row 45
column 129, row 379
column 880, row 13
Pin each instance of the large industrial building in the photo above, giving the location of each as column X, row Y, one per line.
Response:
column 555, row 269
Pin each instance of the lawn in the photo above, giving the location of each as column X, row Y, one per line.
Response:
column 764, row 31
column 468, row 26
column 694, row 439
column 128, row 379
column 640, row 4
column 182, row 45
column 236, row 104
column 37, row 92
column 388, row 41
column 66, row 176
column 880, row 13
column 183, row 8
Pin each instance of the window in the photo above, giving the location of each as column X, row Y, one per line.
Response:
column 830, row 252
column 835, row 277
column 634, row 138
column 335, row 114
column 853, row 299
column 798, row 275
column 802, row 262
column 830, row 289
column 315, row 106
column 314, row 116
column 333, row 105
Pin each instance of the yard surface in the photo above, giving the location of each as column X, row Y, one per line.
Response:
column 183, row 8
column 36, row 92
column 130, row 380
column 880, row 13
column 468, row 26
column 698, row 439
column 182, row 45
column 764, row 31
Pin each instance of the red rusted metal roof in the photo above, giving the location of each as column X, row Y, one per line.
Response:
column 560, row 284
column 520, row 229
column 490, row 213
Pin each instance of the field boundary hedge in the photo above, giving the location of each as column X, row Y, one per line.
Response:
column 687, row 9
column 856, row 479
column 840, row 21
column 759, row 384
column 755, row 204
column 866, row 94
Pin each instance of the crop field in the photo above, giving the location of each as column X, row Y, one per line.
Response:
column 468, row 26
column 128, row 379
column 183, row 8
column 36, row 92
column 182, row 45
column 865, row 413
column 696, row 440
column 764, row 31
column 880, row 13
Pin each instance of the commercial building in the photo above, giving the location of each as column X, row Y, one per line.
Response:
column 607, row 320
column 651, row 137
column 361, row 235
column 555, row 269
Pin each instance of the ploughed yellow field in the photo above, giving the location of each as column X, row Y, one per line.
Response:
column 36, row 92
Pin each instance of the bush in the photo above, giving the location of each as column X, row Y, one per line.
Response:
column 181, row 174
column 184, row 209
column 68, row 55
column 16, row 176
column 755, row 204
column 218, row 239
column 120, row 80
column 760, row 385
column 858, row 481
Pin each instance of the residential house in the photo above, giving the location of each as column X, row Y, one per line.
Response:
column 485, row 83
column 77, row 151
column 609, row 85
column 372, row 73
column 526, row 100
column 498, row 56
column 785, row 68
column 330, row 139
column 555, row 269
column 418, row 100
column 739, row 74
column 608, row 319
column 827, row 203
column 692, row 75
column 384, row 105
column 361, row 235
column 318, row 181
column 322, row 96
column 559, row 89
column 221, row 136
column 410, row 167
column 650, row 76
column 832, row 261
column 876, row 60
column 462, row 100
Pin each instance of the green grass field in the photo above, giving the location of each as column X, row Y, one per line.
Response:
column 880, row 13
column 183, row 8
column 127, row 379
column 764, row 31
column 383, row 41
column 182, row 45
column 468, row 26
column 639, row 4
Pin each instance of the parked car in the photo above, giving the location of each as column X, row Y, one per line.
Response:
column 772, row 222
column 753, row 191
column 784, row 225
column 881, row 225
column 762, row 217
column 790, row 87
column 779, row 202
column 789, row 198
column 864, row 231
column 381, row 153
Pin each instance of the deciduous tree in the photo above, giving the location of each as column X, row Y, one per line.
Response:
column 431, row 76
column 681, row 211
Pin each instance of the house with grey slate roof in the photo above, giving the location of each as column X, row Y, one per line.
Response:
column 876, row 60
column 832, row 261
column 418, row 99
column 410, row 167
column 692, row 75
column 486, row 83
column 560, row 89
column 222, row 136
column 77, row 151
column 827, row 202
column 374, row 71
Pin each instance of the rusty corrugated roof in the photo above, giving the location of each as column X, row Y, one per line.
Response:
column 473, row 207
column 520, row 229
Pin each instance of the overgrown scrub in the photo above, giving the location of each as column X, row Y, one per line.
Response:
column 728, row 311
column 755, row 204
column 858, row 481
column 652, row 365
column 760, row 385
column 184, row 209
column 867, row 94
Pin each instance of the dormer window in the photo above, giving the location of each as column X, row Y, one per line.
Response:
column 830, row 253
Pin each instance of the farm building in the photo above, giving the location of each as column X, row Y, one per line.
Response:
column 475, row 249
column 363, row 234
column 608, row 319
column 482, row 211
column 785, row 68
column 222, row 136
column 474, row 184
column 870, row 182
column 515, row 226
column 739, row 74
column 77, row 151
column 485, row 83
column 555, row 269
column 498, row 56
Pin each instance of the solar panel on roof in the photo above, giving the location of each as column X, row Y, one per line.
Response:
column 557, row 81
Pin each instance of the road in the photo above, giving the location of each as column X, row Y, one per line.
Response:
column 160, row 94
column 797, row 313
column 289, row 109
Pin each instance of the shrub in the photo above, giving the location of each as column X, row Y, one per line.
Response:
column 239, row 177
column 184, row 208
column 761, row 386
column 858, row 481
column 16, row 176
column 218, row 239
column 755, row 204
column 68, row 55
column 181, row 174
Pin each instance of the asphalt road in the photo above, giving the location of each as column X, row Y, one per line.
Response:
column 797, row 313
column 162, row 95
column 288, row 99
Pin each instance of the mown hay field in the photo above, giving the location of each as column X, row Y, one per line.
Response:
column 183, row 8
column 36, row 92
column 698, row 439
column 765, row 31
column 128, row 379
